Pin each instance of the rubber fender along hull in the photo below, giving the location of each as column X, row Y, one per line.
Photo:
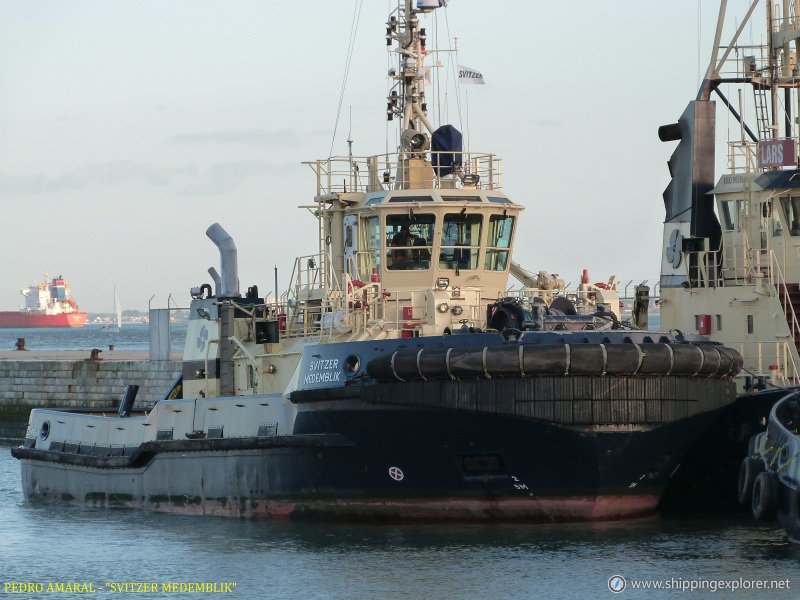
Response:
column 521, row 360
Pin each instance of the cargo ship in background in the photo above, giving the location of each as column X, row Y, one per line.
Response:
column 48, row 304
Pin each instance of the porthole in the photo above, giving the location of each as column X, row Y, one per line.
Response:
column 45, row 430
column 352, row 363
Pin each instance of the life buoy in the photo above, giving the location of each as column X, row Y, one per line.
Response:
column 748, row 471
column 765, row 496
column 354, row 285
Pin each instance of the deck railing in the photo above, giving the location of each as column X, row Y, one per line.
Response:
column 741, row 265
column 769, row 359
column 742, row 157
column 339, row 174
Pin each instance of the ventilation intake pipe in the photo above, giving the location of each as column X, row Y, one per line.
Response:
column 216, row 279
column 228, row 261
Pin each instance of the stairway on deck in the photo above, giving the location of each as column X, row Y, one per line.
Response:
column 793, row 301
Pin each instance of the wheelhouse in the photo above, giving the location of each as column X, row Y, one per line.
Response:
column 413, row 239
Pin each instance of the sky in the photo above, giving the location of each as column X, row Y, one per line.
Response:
column 128, row 127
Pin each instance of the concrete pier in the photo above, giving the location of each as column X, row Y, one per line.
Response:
column 70, row 380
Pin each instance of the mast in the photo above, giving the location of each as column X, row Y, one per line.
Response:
column 407, row 100
column 772, row 54
column 783, row 30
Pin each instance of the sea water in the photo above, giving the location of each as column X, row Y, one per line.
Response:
column 121, row 553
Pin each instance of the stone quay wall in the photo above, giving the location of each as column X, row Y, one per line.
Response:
column 71, row 384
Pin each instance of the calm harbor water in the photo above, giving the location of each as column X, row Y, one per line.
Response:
column 132, row 336
column 288, row 560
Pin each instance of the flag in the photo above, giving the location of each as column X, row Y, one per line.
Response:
column 468, row 75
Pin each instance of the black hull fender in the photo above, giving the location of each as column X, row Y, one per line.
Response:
column 531, row 360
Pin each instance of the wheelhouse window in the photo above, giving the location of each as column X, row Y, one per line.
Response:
column 409, row 239
column 498, row 243
column 791, row 209
column 372, row 244
column 769, row 223
column 777, row 226
column 730, row 216
column 461, row 240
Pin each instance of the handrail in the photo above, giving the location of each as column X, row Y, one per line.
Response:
column 342, row 174
column 742, row 157
column 763, row 356
column 739, row 264
column 751, row 268
column 710, row 272
column 788, row 307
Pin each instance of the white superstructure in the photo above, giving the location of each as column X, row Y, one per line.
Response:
column 731, row 249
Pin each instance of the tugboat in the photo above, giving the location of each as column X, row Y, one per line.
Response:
column 48, row 304
column 398, row 379
column 730, row 269
column 737, row 281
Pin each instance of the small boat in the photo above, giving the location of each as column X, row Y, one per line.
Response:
column 769, row 476
column 398, row 378
column 115, row 325
column 47, row 304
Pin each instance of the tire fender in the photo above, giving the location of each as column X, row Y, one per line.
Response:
column 765, row 496
column 748, row 471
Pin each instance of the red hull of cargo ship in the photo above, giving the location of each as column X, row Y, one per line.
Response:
column 16, row 319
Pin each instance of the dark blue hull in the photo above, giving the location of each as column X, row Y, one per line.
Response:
column 358, row 460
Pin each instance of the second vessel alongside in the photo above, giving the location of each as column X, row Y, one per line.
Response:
column 398, row 378
column 730, row 270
